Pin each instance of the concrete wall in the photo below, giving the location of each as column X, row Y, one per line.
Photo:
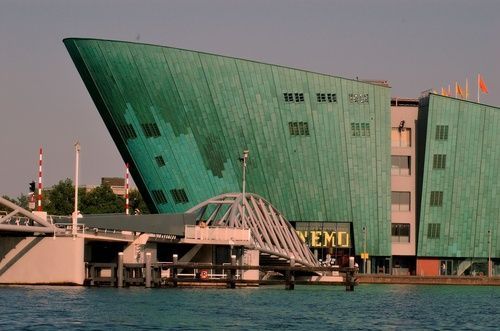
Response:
column 41, row 260
column 405, row 183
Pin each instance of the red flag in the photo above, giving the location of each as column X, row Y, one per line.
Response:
column 482, row 85
column 459, row 90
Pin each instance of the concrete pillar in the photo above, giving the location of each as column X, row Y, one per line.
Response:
column 148, row 270
column 175, row 259
column 119, row 271
column 290, row 275
column 232, row 277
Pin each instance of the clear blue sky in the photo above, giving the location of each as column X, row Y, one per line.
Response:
column 414, row 44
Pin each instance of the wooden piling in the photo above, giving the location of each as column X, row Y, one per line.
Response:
column 148, row 270
column 119, row 270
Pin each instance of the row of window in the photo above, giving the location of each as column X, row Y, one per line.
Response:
column 325, row 97
column 179, row 196
column 360, row 129
column 400, row 201
column 298, row 128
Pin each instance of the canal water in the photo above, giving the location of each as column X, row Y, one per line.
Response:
column 369, row 307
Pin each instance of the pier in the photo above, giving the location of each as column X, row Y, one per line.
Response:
column 167, row 274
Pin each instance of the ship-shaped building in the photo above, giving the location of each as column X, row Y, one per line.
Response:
column 409, row 185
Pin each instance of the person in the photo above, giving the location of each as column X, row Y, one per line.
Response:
column 443, row 269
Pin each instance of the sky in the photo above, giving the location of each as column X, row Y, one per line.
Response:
column 414, row 44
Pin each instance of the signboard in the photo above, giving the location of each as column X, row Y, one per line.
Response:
column 324, row 234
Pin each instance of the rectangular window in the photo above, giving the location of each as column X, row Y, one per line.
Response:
column 441, row 132
column 436, row 198
column 127, row 131
column 400, row 165
column 433, row 230
column 298, row 128
column 179, row 195
column 400, row 232
column 332, row 97
column 400, row 137
column 288, row 97
column 159, row 196
column 360, row 129
column 439, row 161
column 358, row 98
column 326, row 97
column 150, row 130
column 400, row 201
column 160, row 161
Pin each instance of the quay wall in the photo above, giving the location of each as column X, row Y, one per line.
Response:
column 42, row 260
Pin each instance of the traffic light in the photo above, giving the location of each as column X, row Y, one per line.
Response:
column 32, row 186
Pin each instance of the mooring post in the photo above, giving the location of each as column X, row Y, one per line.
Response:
column 175, row 259
column 349, row 276
column 148, row 270
column 290, row 275
column 119, row 271
column 232, row 272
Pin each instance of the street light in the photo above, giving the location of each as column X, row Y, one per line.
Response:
column 243, row 159
column 75, row 212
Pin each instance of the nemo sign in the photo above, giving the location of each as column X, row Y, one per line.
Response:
column 324, row 234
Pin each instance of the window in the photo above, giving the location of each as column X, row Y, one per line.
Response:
column 400, row 201
column 179, row 196
column 436, row 198
column 360, row 129
column 400, row 165
column 358, row 98
column 288, row 97
column 160, row 161
column 293, row 97
column 127, row 131
column 150, row 130
column 298, row 128
column 441, row 132
column 326, row 97
column 439, row 161
column 400, row 232
column 400, row 137
column 433, row 230
column 159, row 196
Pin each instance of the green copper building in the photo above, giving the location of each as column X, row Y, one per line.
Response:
column 460, row 187
column 321, row 150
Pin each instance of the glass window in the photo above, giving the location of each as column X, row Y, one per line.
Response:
column 400, row 232
column 433, row 230
column 400, row 165
column 400, row 201
column 400, row 137
column 441, row 132
column 436, row 198
column 439, row 161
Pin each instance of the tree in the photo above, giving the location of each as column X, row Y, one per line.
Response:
column 101, row 200
column 61, row 198
column 137, row 202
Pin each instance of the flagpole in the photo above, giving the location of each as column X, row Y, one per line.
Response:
column 466, row 88
column 478, row 75
column 456, row 89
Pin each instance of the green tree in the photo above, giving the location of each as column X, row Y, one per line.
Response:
column 61, row 198
column 4, row 208
column 102, row 200
column 137, row 202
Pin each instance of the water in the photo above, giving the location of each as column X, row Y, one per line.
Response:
column 369, row 307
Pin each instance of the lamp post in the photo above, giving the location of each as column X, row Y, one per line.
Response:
column 244, row 160
column 75, row 212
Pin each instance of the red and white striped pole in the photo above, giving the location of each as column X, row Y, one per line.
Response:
column 40, row 181
column 126, row 190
